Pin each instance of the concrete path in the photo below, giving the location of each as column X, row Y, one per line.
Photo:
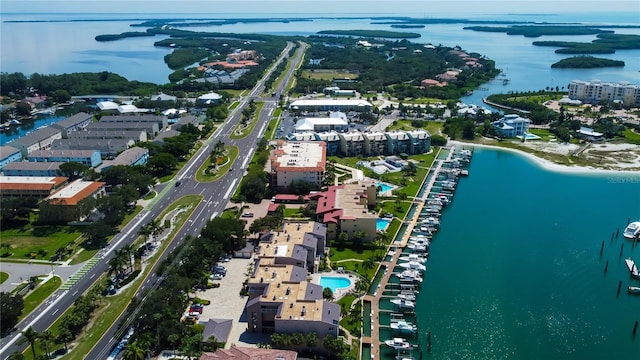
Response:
column 19, row 272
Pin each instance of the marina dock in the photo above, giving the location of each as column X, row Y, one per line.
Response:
column 441, row 180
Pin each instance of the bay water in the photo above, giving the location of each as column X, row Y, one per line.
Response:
column 515, row 271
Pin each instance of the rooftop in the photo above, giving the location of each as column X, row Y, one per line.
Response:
column 330, row 102
column 31, row 182
column 76, row 191
column 299, row 156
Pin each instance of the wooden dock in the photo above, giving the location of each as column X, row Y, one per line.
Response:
column 374, row 339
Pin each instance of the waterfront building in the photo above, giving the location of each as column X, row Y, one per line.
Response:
column 30, row 168
column 298, row 161
column 419, row 141
column 73, row 123
column 281, row 300
column 90, row 158
column 596, row 91
column 299, row 243
column 247, row 353
column 66, row 204
column 590, row 135
column 130, row 157
column 31, row 186
column 330, row 105
column 9, row 154
column 512, row 125
column 345, row 208
column 41, row 139
column 398, row 142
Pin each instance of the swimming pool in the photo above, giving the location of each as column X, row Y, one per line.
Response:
column 334, row 283
column 382, row 224
column 384, row 187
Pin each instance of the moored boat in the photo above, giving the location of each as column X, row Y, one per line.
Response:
column 413, row 265
column 403, row 304
column 632, row 230
column 398, row 344
column 404, row 327
column 634, row 290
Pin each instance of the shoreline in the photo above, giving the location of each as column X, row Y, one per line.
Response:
column 550, row 165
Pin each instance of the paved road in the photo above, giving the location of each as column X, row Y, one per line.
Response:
column 216, row 194
column 23, row 271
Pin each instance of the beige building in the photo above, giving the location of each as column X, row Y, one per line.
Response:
column 345, row 208
column 298, row 161
column 281, row 300
column 595, row 91
column 299, row 244
column 247, row 353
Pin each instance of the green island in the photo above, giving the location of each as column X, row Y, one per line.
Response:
column 540, row 30
column 603, row 44
column 408, row 26
column 372, row 33
column 124, row 35
column 586, row 62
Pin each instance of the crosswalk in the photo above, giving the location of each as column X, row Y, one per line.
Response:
column 80, row 273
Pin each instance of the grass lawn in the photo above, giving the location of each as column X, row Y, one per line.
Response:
column 150, row 195
column 393, row 229
column 102, row 319
column 545, row 134
column 83, row 256
column 398, row 210
column 235, row 93
column 433, row 127
column 201, row 176
column 272, row 128
column 631, row 137
column 3, row 277
column 328, row 75
column 234, row 105
column 346, row 301
column 32, row 238
column 239, row 132
column 356, row 266
column 37, row 296
column 293, row 212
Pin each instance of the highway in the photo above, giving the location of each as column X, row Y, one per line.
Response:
column 216, row 195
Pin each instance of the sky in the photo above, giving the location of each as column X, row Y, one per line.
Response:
column 343, row 7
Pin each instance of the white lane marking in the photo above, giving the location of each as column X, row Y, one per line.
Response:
column 226, row 195
column 246, row 160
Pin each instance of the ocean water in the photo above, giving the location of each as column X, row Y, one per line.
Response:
column 515, row 271
column 69, row 46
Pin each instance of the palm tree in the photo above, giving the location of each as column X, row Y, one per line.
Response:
column 45, row 339
column 115, row 265
column 128, row 250
column 133, row 352
column 30, row 336
column 64, row 336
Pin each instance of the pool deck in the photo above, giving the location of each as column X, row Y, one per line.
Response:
column 339, row 293
column 374, row 339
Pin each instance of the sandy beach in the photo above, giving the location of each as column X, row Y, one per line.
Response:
column 564, row 149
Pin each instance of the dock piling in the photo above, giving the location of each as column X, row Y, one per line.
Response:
column 621, row 248
column 619, row 286
column 635, row 328
column 601, row 248
column 606, row 267
column 618, row 231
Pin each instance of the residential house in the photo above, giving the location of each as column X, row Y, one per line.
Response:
column 249, row 353
column 160, row 120
column 135, row 135
column 185, row 120
column 9, row 154
column 512, row 125
column 108, row 148
column 89, row 158
column 151, row 128
column 129, row 157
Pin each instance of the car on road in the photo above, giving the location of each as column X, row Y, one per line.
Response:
column 178, row 183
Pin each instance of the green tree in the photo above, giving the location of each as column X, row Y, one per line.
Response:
column 327, row 294
column 46, row 338
column 162, row 164
column 11, row 307
column 29, row 335
column 61, row 96
column 64, row 336
column 73, row 170
column 133, row 352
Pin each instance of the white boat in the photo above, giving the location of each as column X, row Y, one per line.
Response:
column 14, row 122
column 413, row 257
column 404, row 327
column 398, row 344
column 634, row 290
column 413, row 265
column 632, row 230
column 410, row 276
column 436, row 202
column 406, row 295
column 432, row 221
column 417, row 248
column 633, row 269
column 419, row 241
column 404, row 304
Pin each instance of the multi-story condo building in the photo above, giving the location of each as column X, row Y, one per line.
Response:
column 85, row 157
column 352, row 144
column 9, row 154
column 596, row 91
column 298, row 161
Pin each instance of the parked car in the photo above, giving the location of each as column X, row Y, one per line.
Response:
column 216, row 276
column 195, row 310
